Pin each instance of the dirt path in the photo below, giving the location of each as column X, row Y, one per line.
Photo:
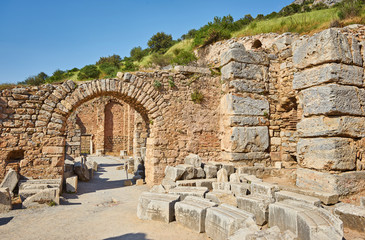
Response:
column 102, row 209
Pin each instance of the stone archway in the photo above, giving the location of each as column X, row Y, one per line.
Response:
column 67, row 97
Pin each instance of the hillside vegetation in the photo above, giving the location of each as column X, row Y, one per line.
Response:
column 163, row 50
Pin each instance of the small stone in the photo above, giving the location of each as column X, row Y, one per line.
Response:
column 222, row 175
column 139, row 182
column 127, row 183
column 71, row 184
column 5, row 200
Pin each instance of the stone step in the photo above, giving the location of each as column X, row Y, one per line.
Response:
column 189, row 191
column 157, row 206
column 353, row 217
column 257, row 205
column 283, row 195
column 305, row 220
column 191, row 212
column 45, row 197
column 223, row 221
column 197, row 183
column 326, row 198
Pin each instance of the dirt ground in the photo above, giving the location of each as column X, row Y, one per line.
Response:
column 102, row 209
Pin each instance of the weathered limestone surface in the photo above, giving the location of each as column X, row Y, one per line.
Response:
column 327, row 46
column 329, row 73
column 305, row 221
column 71, row 184
column 236, row 105
column 10, row 181
column 208, row 183
column 325, row 126
column 256, row 205
column 332, row 99
column 246, row 139
column 225, row 220
column 43, row 198
column 183, row 192
column 191, row 213
column 210, row 171
column 173, row 173
column 283, row 195
column 193, row 159
column 352, row 216
column 222, row 175
column 327, row 153
column 158, row 207
column 5, row 200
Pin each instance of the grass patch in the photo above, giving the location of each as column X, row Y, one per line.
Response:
column 7, row 86
column 303, row 23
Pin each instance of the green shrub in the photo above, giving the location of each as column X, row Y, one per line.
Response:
column 129, row 66
column 109, row 69
column 114, row 59
column 157, row 84
column 88, row 72
column 35, row 80
column 137, row 53
column 171, row 82
column 160, row 42
column 58, row 75
column 160, row 59
column 183, row 57
column 197, row 96
column 350, row 8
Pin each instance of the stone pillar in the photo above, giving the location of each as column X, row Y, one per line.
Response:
column 99, row 146
column 244, row 107
column 330, row 84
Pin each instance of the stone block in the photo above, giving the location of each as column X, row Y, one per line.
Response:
column 82, row 171
column 199, row 173
column 246, row 139
column 223, row 186
column 240, row 189
column 229, row 168
column 331, row 99
column 236, row 70
column 11, row 180
column 327, row 153
column 43, row 198
column 92, row 165
column 140, row 182
column 352, row 216
column 222, row 175
column 193, row 159
column 71, row 184
column 329, row 73
column 189, row 171
column 192, row 211
column 249, row 178
column 323, row 126
column 210, row 171
column 183, row 192
column 247, row 86
column 305, row 221
column 264, row 189
column 5, row 200
column 237, row 105
column 223, row 221
column 256, row 205
column 208, row 183
column 236, row 157
column 157, row 189
column 234, row 178
column 173, row 173
column 157, row 207
column 325, row 197
column 168, row 184
column 362, row 202
column 219, row 197
column 327, row 46
column 238, row 53
column 283, row 195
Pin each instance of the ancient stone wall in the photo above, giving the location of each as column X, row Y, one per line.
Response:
column 287, row 99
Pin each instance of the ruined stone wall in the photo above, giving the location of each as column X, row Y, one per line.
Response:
column 295, row 100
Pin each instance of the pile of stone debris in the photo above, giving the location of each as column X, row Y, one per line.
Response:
column 32, row 192
column 226, row 203
column 44, row 192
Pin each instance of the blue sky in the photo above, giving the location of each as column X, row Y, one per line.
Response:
column 45, row 35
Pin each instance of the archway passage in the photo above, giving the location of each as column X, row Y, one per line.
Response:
column 105, row 125
column 66, row 98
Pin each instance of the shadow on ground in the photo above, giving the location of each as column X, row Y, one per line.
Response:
column 6, row 220
column 97, row 183
column 130, row 236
